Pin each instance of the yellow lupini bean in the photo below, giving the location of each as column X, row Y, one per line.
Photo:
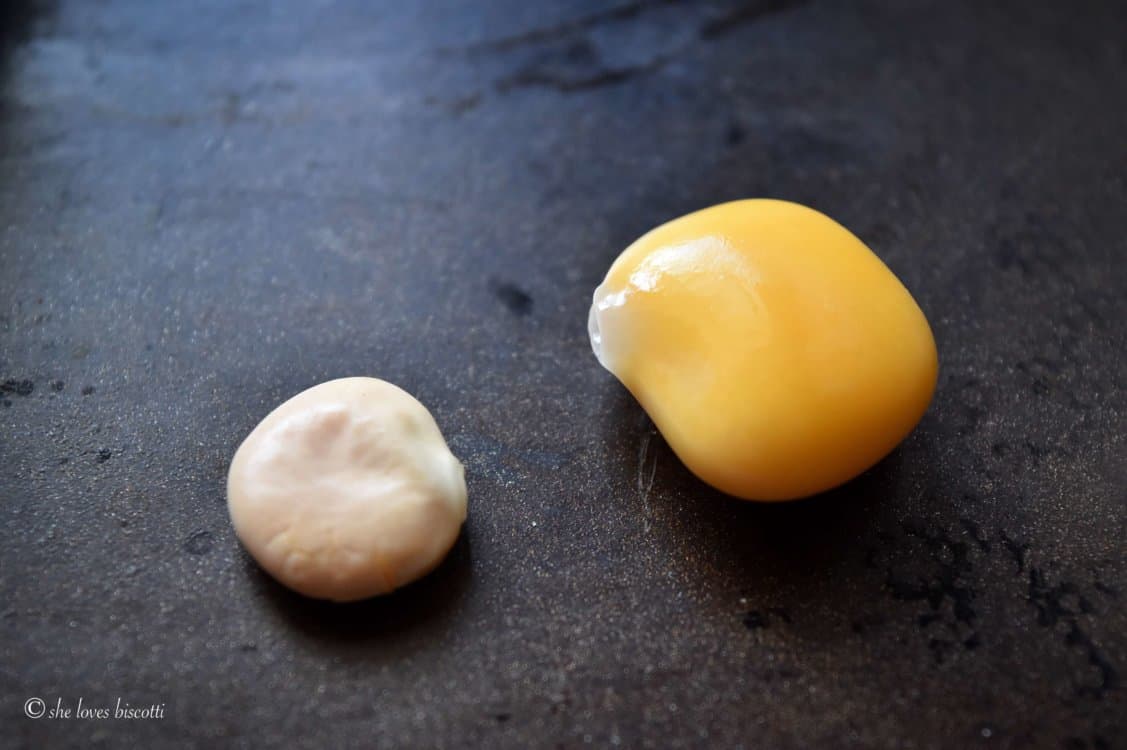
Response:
column 775, row 352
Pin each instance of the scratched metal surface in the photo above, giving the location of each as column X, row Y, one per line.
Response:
column 206, row 209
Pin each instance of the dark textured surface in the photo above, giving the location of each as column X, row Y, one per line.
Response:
column 207, row 207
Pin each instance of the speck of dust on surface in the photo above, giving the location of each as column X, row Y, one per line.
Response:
column 17, row 387
column 199, row 543
column 518, row 301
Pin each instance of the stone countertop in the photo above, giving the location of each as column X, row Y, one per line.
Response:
column 206, row 209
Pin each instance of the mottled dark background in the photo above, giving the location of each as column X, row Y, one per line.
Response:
column 206, row 207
